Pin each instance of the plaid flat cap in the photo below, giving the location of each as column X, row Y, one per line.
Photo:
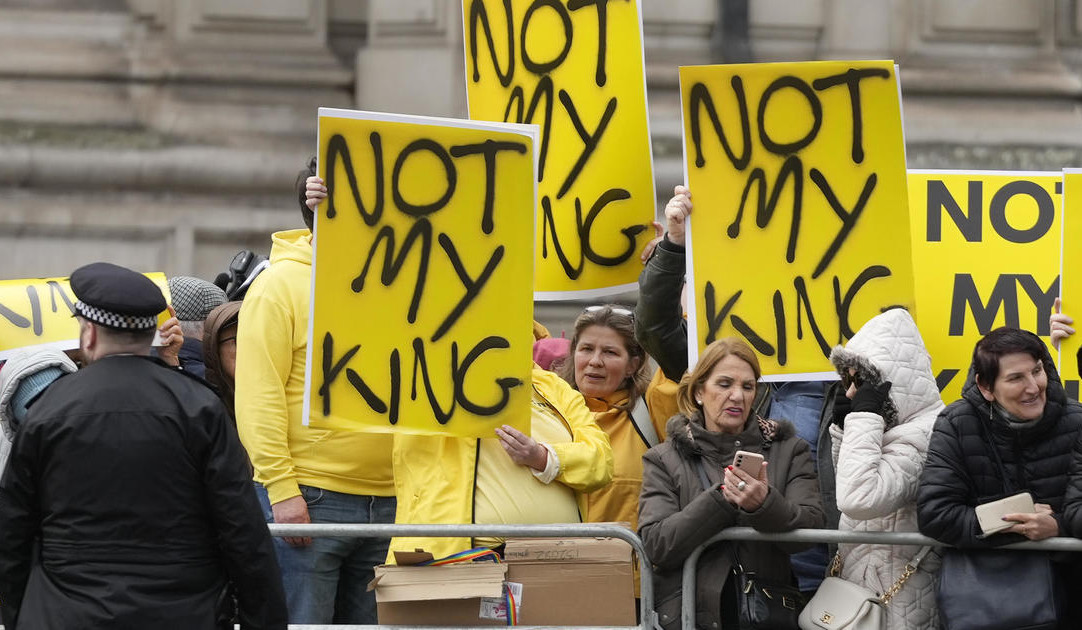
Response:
column 194, row 299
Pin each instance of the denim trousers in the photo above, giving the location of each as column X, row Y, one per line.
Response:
column 326, row 582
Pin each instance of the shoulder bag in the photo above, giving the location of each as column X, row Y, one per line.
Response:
column 842, row 605
column 998, row 589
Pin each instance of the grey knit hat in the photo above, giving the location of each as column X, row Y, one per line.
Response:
column 194, row 299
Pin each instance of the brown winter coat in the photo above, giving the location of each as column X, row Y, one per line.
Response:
column 676, row 515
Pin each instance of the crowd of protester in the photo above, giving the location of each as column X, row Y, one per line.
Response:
column 612, row 439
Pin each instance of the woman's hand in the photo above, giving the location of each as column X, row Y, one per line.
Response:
column 751, row 496
column 648, row 251
column 676, row 214
column 523, row 449
column 1060, row 324
column 314, row 192
column 1036, row 526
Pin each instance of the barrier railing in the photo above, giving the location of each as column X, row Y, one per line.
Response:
column 585, row 530
column 687, row 606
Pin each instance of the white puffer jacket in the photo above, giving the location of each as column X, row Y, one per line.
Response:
column 878, row 467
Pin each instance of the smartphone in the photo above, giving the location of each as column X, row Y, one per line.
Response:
column 990, row 515
column 750, row 463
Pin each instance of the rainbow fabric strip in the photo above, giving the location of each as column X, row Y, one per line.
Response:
column 470, row 555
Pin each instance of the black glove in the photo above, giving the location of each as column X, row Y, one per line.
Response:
column 842, row 407
column 870, row 397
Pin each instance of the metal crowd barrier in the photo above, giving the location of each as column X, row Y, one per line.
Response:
column 585, row 530
column 687, row 610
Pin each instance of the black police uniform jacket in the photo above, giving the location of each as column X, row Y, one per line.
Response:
column 127, row 503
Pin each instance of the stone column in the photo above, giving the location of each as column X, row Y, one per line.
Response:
column 413, row 63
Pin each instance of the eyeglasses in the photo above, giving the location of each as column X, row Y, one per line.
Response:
column 618, row 310
column 849, row 380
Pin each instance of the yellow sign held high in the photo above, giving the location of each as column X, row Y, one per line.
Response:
column 576, row 69
column 38, row 313
column 421, row 304
column 800, row 230
column 1071, row 285
column 985, row 255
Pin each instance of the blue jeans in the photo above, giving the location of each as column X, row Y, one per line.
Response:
column 327, row 581
column 802, row 403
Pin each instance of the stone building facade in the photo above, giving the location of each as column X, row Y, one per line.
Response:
column 167, row 134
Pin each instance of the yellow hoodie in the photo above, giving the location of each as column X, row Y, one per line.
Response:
column 272, row 341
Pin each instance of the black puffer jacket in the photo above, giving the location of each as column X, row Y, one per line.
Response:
column 961, row 472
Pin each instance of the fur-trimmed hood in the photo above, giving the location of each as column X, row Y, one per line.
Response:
column 682, row 434
column 889, row 348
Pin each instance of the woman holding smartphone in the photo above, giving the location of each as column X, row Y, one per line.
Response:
column 690, row 491
column 883, row 417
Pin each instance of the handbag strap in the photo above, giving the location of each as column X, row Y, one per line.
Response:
column 907, row 572
column 644, row 426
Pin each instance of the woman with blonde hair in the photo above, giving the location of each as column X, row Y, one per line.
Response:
column 691, row 491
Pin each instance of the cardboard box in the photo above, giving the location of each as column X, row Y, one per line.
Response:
column 449, row 595
column 570, row 582
column 573, row 581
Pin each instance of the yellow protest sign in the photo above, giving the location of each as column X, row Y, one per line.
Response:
column 985, row 255
column 38, row 312
column 576, row 69
column 421, row 302
column 799, row 231
column 1071, row 277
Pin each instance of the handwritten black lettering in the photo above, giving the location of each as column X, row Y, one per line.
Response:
column 788, row 148
column 584, row 229
column 849, row 218
column 489, row 149
column 441, row 416
column 851, row 78
column 473, row 287
column 791, row 169
column 338, row 148
column 589, row 140
column 392, row 263
column 802, row 298
column 436, row 149
column 544, row 89
column 843, row 302
column 567, row 32
column 602, row 34
column 506, row 384
column 700, row 99
column 478, row 14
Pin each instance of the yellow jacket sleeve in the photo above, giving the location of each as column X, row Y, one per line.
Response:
column 585, row 461
column 265, row 356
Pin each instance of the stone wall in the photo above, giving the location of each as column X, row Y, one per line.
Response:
column 166, row 134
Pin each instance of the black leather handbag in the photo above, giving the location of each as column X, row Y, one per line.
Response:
column 764, row 604
column 998, row 589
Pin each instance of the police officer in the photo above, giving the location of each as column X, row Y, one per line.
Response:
column 127, row 500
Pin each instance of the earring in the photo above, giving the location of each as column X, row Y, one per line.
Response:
column 698, row 401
